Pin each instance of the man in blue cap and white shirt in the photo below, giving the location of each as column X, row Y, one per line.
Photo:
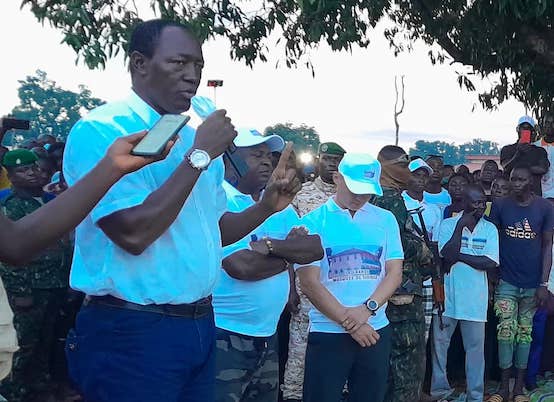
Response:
column 349, row 288
column 254, row 285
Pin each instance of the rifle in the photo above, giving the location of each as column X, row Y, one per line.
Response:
column 438, row 278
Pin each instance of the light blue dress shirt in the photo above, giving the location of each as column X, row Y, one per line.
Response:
column 182, row 265
column 253, row 307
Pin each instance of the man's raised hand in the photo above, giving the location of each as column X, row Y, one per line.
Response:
column 283, row 184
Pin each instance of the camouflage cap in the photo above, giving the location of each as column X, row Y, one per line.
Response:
column 19, row 157
column 331, row 148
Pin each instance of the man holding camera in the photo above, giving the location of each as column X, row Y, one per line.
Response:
column 524, row 154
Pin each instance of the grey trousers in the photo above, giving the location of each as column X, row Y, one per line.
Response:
column 473, row 335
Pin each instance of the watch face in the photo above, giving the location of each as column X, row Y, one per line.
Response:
column 201, row 159
column 372, row 305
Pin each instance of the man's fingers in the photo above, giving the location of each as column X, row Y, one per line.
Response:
column 283, row 160
column 135, row 138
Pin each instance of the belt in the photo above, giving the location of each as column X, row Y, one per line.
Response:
column 194, row 310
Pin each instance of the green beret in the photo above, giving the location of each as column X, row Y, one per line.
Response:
column 331, row 148
column 19, row 157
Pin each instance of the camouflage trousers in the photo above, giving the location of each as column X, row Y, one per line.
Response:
column 298, row 340
column 247, row 368
column 35, row 326
column 407, row 358
column 515, row 308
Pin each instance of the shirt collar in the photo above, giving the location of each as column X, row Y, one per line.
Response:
column 146, row 113
column 233, row 192
column 325, row 187
column 332, row 206
column 476, row 228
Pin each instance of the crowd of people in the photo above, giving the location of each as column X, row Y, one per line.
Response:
column 189, row 281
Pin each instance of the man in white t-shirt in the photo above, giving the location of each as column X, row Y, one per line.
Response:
column 253, row 287
column 435, row 193
column 547, row 142
column 432, row 216
column 350, row 338
column 469, row 246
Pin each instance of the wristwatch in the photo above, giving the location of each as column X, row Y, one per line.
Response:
column 372, row 306
column 198, row 159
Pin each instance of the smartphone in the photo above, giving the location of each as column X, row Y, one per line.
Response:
column 9, row 123
column 153, row 144
column 525, row 137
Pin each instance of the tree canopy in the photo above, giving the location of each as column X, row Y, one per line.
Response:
column 303, row 137
column 454, row 154
column 510, row 42
column 50, row 108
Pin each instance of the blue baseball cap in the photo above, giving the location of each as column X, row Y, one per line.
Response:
column 361, row 173
column 249, row 137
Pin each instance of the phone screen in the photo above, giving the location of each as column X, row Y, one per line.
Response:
column 525, row 137
column 157, row 138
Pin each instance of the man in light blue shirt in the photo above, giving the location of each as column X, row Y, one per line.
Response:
column 254, row 285
column 469, row 245
column 149, row 254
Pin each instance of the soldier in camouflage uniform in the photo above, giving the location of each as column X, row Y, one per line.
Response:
column 35, row 291
column 405, row 308
column 312, row 196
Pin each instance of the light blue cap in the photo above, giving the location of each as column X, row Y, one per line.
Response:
column 249, row 137
column 361, row 173
column 526, row 119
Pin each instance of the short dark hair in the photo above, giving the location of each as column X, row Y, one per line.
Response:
column 429, row 157
column 56, row 147
column 474, row 187
column 390, row 152
column 145, row 35
column 522, row 167
column 463, row 176
column 489, row 161
column 448, row 166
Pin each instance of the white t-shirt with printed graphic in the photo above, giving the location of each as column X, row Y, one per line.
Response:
column 356, row 250
column 466, row 288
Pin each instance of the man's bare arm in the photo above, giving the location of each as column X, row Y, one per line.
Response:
column 21, row 240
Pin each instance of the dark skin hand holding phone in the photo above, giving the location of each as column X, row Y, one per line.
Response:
column 21, row 240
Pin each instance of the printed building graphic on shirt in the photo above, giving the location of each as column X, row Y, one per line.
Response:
column 521, row 230
column 354, row 264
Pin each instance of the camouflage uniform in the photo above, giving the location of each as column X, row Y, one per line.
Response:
column 406, row 316
column 232, row 350
column 311, row 196
column 36, row 292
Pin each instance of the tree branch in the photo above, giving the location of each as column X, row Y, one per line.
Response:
column 443, row 40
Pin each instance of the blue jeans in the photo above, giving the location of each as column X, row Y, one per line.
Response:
column 332, row 359
column 473, row 335
column 127, row 356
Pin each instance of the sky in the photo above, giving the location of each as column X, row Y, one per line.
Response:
column 350, row 100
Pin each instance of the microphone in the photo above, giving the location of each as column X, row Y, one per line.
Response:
column 204, row 107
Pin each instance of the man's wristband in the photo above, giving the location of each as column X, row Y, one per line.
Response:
column 543, row 285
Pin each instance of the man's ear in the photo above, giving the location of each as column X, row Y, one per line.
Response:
column 138, row 63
